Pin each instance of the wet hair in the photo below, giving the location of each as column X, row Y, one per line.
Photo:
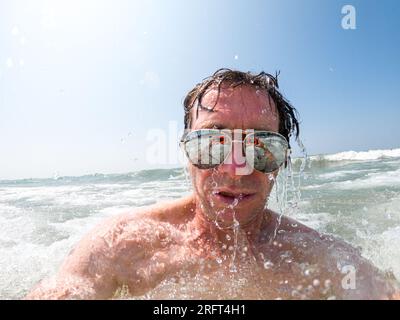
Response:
column 288, row 115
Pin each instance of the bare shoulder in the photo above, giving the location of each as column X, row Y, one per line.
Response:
column 330, row 258
column 113, row 248
column 134, row 227
column 294, row 234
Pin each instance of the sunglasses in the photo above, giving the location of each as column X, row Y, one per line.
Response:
column 265, row 151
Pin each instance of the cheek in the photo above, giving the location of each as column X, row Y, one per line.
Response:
column 199, row 178
column 264, row 182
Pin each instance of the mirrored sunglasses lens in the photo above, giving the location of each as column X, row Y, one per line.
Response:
column 207, row 150
column 265, row 152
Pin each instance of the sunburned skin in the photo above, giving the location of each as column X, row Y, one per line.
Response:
column 202, row 247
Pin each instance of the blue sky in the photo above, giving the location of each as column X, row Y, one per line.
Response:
column 83, row 82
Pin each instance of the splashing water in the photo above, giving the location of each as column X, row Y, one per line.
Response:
column 287, row 190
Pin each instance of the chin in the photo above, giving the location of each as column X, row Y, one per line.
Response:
column 225, row 217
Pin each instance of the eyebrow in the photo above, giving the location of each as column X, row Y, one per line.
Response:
column 211, row 125
column 219, row 126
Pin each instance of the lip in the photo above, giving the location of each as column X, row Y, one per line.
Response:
column 229, row 197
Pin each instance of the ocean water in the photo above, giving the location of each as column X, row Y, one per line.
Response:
column 352, row 195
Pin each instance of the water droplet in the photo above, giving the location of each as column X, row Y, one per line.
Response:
column 9, row 63
column 294, row 225
column 219, row 260
column 327, row 283
column 245, row 249
column 232, row 268
column 228, row 237
column 295, row 293
column 234, row 203
column 268, row 264
column 15, row 31
column 315, row 283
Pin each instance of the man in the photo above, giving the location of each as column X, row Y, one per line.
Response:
column 221, row 241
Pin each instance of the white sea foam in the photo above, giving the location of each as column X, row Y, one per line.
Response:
column 359, row 156
column 370, row 180
column 314, row 220
column 337, row 174
column 388, row 255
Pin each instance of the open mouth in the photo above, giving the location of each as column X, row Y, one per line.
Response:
column 229, row 197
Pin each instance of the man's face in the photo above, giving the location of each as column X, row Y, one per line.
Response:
column 224, row 192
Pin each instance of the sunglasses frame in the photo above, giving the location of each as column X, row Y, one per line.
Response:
column 187, row 137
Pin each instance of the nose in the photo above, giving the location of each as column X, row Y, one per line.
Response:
column 235, row 164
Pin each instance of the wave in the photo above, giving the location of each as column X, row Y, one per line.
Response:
column 100, row 178
column 178, row 173
column 359, row 156
column 349, row 156
column 371, row 180
column 363, row 155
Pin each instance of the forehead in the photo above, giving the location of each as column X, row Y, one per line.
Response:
column 242, row 107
